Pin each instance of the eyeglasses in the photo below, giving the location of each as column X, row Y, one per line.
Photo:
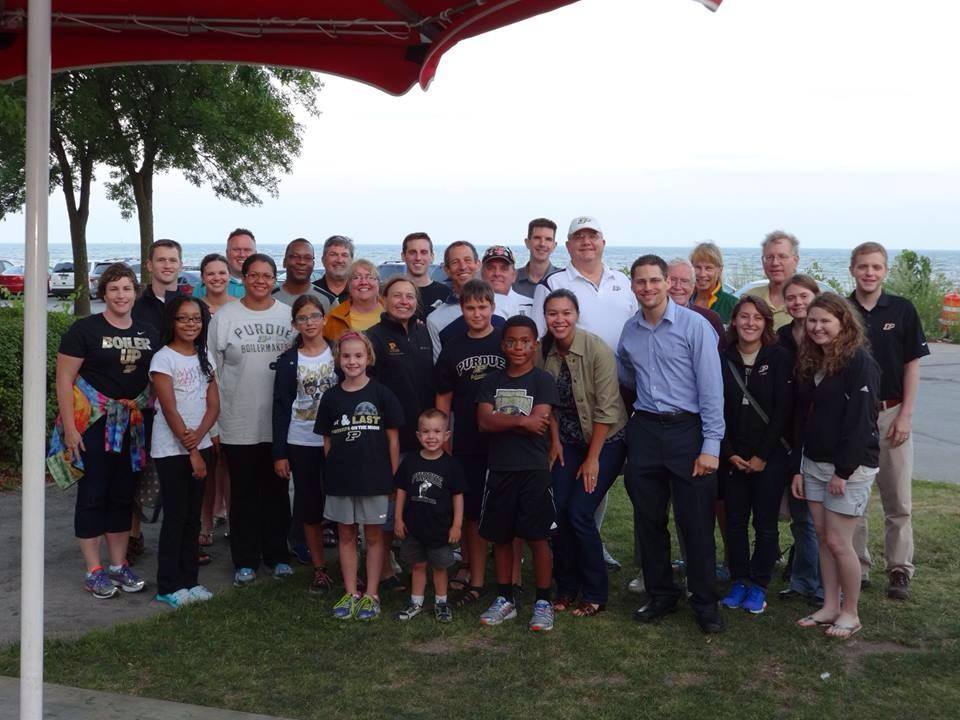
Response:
column 313, row 317
column 519, row 342
column 363, row 278
column 782, row 258
column 256, row 277
column 188, row 320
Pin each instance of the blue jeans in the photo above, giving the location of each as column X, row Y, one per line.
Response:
column 577, row 550
column 805, row 569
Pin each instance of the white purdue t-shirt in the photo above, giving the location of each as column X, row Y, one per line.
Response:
column 190, row 392
column 245, row 344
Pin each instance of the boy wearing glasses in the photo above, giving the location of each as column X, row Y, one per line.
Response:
column 516, row 403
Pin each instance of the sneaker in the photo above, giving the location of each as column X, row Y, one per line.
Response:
column 409, row 612
column 98, row 584
column 723, row 572
column 244, row 576
column 501, row 609
column 345, row 607
column 443, row 613
column 200, row 594
column 126, row 579
column 176, row 599
column 756, row 600
column 542, row 618
column 611, row 562
column 302, row 553
column 898, row 586
column 368, row 608
column 636, row 585
column 736, row 596
column 321, row 582
column 282, row 570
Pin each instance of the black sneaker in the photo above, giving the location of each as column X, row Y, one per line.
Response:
column 443, row 613
column 898, row 585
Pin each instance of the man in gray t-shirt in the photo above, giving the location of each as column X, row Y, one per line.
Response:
column 298, row 261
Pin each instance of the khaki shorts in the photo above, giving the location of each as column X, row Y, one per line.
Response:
column 356, row 510
column 856, row 494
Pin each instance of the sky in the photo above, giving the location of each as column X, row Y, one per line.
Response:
column 669, row 123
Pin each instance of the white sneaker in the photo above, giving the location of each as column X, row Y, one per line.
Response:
column 200, row 594
column 636, row 585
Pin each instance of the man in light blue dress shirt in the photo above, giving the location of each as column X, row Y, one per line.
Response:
column 667, row 357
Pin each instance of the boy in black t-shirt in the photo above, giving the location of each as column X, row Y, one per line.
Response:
column 464, row 363
column 516, row 403
column 429, row 513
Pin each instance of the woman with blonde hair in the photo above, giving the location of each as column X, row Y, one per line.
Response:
column 839, row 387
column 708, row 273
column 363, row 308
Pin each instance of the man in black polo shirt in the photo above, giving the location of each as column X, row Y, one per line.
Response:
column 164, row 262
column 336, row 258
column 897, row 343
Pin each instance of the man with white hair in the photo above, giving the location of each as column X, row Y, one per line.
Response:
column 681, row 286
column 781, row 256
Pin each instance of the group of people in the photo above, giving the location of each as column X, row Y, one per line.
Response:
column 498, row 409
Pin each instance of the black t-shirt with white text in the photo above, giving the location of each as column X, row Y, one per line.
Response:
column 116, row 361
column 430, row 486
column 431, row 297
column 358, row 459
column 518, row 449
column 464, row 363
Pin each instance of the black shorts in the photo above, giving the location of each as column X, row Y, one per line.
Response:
column 517, row 504
column 475, row 472
column 414, row 552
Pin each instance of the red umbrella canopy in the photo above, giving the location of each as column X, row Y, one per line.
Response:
column 390, row 44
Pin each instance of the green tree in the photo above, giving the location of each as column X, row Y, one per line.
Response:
column 912, row 276
column 227, row 126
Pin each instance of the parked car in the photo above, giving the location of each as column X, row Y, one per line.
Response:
column 12, row 280
column 62, row 281
column 188, row 281
column 99, row 267
column 4, row 264
column 394, row 267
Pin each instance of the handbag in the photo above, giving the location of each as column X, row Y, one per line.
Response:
column 148, row 499
column 753, row 403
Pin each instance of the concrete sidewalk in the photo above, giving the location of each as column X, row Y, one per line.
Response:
column 935, row 431
column 78, row 704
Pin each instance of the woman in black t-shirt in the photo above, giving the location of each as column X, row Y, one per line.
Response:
column 102, row 376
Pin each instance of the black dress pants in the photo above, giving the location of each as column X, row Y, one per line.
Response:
column 660, row 457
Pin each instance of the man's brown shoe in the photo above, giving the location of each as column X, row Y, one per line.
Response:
column 898, row 587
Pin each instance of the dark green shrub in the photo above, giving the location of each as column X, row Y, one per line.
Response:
column 11, row 376
column 911, row 276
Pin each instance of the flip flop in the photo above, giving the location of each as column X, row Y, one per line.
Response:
column 846, row 631
column 810, row 622
column 588, row 609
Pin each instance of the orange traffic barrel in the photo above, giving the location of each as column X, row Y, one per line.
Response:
column 950, row 314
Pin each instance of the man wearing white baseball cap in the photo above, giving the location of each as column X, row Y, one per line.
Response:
column 605, row 297
column 606, row 300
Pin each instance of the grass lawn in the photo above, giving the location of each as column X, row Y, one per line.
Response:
column 272, row 649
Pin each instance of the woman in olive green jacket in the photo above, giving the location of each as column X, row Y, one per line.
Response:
column 587, row 450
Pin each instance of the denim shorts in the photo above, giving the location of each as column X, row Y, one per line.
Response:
column 856, row 494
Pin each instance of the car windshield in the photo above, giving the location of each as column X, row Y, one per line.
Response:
column 15, row 270
column 100, row 267
column 63, row 267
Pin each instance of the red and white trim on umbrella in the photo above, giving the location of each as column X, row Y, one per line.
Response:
column 711, row 5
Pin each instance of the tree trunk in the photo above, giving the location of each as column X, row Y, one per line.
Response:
column 142, row 183
column 78, row 214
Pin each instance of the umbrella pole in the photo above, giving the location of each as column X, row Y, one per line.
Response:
column 35, row 359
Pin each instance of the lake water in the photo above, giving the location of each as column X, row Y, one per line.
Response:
column 741, row 264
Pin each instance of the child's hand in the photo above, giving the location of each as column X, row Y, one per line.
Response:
column 197, row 464
column 282, row 468
column 555, row 456
column 399, row 528
column 189, row 439
column 537, row 424
column 454, row 536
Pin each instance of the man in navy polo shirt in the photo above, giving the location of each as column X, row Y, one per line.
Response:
column 897, row 343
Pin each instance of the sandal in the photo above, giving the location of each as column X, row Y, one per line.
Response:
column 811, row 622
column 468, row 596
column 203, row 558
column 458, row 584
column 206, row 539
column 563, row 602
column 843, row 632
column 588, row 609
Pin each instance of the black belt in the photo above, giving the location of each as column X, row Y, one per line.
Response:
column 668, row 417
